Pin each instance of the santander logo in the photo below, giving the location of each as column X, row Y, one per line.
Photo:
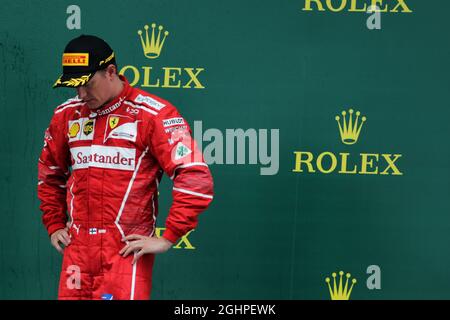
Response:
column 103, row 157
column 111, row 108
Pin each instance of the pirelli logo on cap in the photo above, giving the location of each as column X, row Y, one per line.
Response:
column 75, row 59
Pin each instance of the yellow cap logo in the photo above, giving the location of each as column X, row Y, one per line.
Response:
column 75, row 59
column 74, row 129
column 107, row 59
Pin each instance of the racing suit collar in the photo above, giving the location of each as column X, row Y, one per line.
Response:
column 115, row 103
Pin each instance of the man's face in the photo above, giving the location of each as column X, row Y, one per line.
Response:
column 97, row 91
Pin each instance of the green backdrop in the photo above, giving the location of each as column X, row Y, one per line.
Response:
column 267, row 65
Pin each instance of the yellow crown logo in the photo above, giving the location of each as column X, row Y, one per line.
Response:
column 152, row 46
column 350, row 128
column 339, row 292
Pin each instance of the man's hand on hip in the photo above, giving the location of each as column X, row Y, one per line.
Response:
column 59, row 237
column 142, row 245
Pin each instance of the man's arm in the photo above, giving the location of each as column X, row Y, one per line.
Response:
column 177, row 153
column 52, row 176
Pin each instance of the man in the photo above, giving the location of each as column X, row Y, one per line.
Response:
column 104, row 155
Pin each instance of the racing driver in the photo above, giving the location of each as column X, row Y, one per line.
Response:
column 104, row 154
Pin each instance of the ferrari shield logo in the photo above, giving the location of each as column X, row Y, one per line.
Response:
column 113, row 122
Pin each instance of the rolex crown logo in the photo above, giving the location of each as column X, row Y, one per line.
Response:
column 340, row 292
column 152, row 46
column 350, row 128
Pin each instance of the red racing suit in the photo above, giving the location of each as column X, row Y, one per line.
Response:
column 99, row 173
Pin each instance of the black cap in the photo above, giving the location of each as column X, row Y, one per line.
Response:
column 82, row 57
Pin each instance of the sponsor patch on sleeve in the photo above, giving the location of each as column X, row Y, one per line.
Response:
column 173, row 122
column 181, row 151
column 178, row 134
column 47, row 135
column 149, row 101
column 172, row 129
